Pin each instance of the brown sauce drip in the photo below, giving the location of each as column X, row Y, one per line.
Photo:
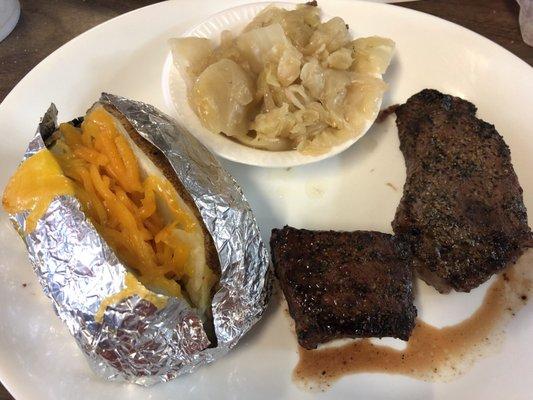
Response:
column 431, row 353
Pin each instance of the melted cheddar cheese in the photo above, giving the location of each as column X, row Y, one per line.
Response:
column 37, row 181
column 132, row 287
column 135, row 209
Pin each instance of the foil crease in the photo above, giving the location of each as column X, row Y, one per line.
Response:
column 137, row 342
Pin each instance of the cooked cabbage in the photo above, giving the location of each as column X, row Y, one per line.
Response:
column 274, row 123
column 193, row 54
column 262, row 45
column 372, row 54
column 313, row 77
column 329, row 36
column 288, row 81
column 340, row 59
column 298, row 24
column 289, row 65
column 221, row 97
column 363, row 97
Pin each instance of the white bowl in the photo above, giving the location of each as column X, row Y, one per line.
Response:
column 175, row 94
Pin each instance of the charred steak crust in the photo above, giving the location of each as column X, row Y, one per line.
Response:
column 344, row 284
column 462, row 211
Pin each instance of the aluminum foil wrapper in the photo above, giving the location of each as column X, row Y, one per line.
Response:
column 137, row 342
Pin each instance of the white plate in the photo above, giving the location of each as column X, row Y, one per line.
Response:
column 39, row 360
column 175, row 93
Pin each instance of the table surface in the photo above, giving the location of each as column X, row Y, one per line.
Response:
column 46, row 25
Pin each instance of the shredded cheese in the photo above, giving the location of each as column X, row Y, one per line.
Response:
column 132, row 287
column 141, row 217
column 135, row 209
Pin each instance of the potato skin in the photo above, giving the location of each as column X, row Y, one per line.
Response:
column 161, row 162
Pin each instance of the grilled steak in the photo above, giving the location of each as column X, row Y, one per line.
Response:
column 462, row 210
column 344, row 284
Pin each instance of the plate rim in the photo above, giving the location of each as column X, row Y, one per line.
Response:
column 506, row 53
column 401, row 9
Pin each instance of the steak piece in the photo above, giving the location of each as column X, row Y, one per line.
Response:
column 462, row 211
column 344, row 284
